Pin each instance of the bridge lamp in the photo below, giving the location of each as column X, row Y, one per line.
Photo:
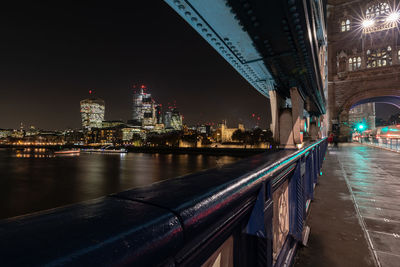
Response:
column 368, row 23
column 393, row 17
column 361, row 127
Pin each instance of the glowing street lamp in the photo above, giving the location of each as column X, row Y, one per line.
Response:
column 368, row 23
column 361, row 127
column 393, row 17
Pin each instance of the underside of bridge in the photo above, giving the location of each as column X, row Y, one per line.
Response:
column 279, row 47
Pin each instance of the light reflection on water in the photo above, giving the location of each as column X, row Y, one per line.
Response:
column 37, row 180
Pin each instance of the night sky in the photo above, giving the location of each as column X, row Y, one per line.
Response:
column 384, row 111
column 52, row 55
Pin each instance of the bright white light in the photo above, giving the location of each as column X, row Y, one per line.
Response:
column 368, row 23
column 393, row 17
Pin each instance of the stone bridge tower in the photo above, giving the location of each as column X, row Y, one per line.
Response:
column 364, row 56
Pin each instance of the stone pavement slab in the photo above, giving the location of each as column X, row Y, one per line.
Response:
column 355, row 216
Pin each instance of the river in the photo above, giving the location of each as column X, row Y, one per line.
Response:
column 37, row 180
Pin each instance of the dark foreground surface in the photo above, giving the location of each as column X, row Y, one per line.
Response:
column 360, row 226
column 34, row 180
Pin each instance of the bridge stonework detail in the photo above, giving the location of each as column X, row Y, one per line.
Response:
column 361, row 65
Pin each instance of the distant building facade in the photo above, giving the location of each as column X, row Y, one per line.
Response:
column 144, row 110
column 5, row 133
column 364, row 57
column 109, row 124
column 173, row 120
column 224, row 134
column 92, row 113
column 363, row 112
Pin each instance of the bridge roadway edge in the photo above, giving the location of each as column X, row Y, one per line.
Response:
column 336, row 238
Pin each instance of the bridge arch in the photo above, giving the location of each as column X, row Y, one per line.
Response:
column 388, row 95
column 379, row 95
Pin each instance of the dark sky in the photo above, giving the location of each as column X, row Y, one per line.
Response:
column 384, row 111
column 50, row 56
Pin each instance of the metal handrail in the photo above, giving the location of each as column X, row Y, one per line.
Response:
column 392, row 144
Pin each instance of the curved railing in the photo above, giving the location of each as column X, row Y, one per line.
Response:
column 248, row 213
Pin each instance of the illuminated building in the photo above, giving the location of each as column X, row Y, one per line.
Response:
column 176, row 120
column 144, row 109
column 92, row 113
column 32, row 131
column 363, row 112
column 159, row 118
column 224, row 134
column 364, row 60
column 4, row 133
column 173, row 120
column 167, row 119
column 204, row 129
column 109, row 124
column 129, row 132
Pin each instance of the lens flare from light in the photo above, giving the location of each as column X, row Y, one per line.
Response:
column 393, row 17
column 368, row 23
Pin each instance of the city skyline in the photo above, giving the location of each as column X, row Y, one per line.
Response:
column 49, row 67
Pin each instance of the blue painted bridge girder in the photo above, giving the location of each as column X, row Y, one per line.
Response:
column 214, row 21
column 274, row 45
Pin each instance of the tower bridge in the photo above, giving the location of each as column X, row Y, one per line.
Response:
column 364, row 61
column 258, row 211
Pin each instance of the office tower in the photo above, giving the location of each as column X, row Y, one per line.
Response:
column 92, row 113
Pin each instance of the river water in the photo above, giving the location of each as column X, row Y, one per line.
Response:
column 37, row 180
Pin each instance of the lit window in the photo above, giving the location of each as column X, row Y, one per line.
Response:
column 345, row 25
column 379, row 57
column 377, row 11
column 354, row 63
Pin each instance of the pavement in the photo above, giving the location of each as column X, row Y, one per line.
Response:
column 355, row 214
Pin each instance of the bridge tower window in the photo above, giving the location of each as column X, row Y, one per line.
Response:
column 354, row 63
column 379, row 57
column 377, row 10
column 345, row 25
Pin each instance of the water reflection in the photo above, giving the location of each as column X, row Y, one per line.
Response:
column 36, row 180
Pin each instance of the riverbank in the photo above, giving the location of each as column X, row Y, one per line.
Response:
column 239, row 152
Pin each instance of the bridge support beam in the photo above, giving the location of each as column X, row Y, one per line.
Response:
column 277, row 104
column 287, row 123
column 315, row 129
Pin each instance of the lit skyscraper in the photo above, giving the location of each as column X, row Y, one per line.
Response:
column 173, row 119
column 144, row 109
column 159, row 118
column 137, row 114
column 92, row 112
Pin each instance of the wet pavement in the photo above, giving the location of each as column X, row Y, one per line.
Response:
column 355, row 216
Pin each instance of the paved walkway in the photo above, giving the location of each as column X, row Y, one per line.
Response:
column 355, row 216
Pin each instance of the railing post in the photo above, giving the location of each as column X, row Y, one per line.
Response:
column 297, row 204
column 309, row 177
column 260, row 225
